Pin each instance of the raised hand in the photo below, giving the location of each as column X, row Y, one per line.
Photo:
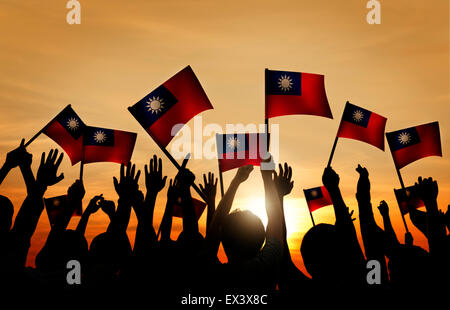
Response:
column 108, row 206
column 210, row 188
column 172, row 191
column 283, row 180
column 18, row 156
column 330, row 179
column 384, row 209
column 243, row 173
column 154, row 181
column 94, row 204
column 185, row 179
column 76, row 191
column 363, row 182
column 127, row 188
column 48, row 169
column 427, row 189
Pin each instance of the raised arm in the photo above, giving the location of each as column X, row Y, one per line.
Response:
column 213, row 240
column 274, row 212
column 185, row 180
column 428, row 191
column 128, row 190
column 391, row 237
column 209, row 190
column 166, row 222
column 30, row 212
column 92, row 207
column 154, row 183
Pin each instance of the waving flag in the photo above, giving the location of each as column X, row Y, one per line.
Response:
column 101, row 144
column 290, row 93
column 408, row 197
column 66, row 129
column 175, row 102
column 363, row 125
column 410, row 144
column 240, row 149
column 317, row 197
column 55, row 207
column 199, row 207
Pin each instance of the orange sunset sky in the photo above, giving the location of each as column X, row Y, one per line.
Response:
column 124, row 49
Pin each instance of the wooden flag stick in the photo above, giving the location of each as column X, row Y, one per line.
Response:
column 81, row 170
column 221, row 183
column 403, row 188
column 42, row 130
column 177, row 165
column 332, row 151
column 312, row 219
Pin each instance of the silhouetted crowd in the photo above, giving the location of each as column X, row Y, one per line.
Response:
column 258, row 258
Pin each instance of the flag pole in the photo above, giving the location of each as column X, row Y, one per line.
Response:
column 266, row 120
column 175, row 163
column 332, row 151
column 402, row 185
column 312, row 219
column 81, row 170
column 221, row 183
column 403, row 188
column 42, row 130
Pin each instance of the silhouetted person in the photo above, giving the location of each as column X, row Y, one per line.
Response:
column 248, row 267
column 331, row 253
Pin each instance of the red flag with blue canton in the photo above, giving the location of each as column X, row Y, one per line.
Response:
column 410, row 144
column 317, row 197
column 175, row 102
column 199, row 207
column 66, row 129
column 101, row 144
column 408, row 197
column 363, row 125
column 240, row 149
column 289, row 93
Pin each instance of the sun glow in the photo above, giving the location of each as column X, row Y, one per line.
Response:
column 295, row 214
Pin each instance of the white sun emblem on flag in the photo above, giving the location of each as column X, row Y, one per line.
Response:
column 99, row 136
column 358, row 116
column 72, row 124
column 155, row 105
column 233, row 143
column 404, row 138
column 285, row 83
column 314, row 193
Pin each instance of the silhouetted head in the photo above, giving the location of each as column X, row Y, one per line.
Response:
column 243, row 235
column 109, row 250
column 6, row 214
column 320, row 252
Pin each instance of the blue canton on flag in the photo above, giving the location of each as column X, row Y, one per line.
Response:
column 356, row 115
column 70, row 121
column 150, row 108
column 313, row 193
column 283, row 83
column 402, row 138
column 98, row 136
column 232, row 143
